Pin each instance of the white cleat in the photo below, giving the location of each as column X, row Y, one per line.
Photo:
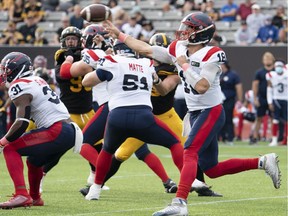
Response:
column 105, row 188
column 269, row 162
column 272, row 144
column 178, row 207
column 94, row 192
column 198, row 185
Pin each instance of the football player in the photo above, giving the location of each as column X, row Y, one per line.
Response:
column 198, row 66
column 76, row 97
column 277, row 99
column 129, row 84
column 54, row 136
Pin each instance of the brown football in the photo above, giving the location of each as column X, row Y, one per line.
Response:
column 96, row 13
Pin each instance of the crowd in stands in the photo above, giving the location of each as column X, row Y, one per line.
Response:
column 256, row 26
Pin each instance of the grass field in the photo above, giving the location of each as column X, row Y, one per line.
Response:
column 136, row 191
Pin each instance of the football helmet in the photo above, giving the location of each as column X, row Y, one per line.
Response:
column 160, row 39
column 40, row 61
column 196, row 28
column 15, row 65
column 90, row 32
column 70, row 30
column 121, row 48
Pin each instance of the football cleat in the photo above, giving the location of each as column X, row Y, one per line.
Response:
column 170, row 186
column 207, row 192
column 177, row 207
column 17, row 201
column 90, row 179
column 269, row 162
column 94, row 192
column 38, row 202
column 85, row 191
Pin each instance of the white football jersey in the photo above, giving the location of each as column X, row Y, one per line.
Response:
column 279, row 84
column 91, row 57
column 208, row 54
column 131, row 80
column 46, row 107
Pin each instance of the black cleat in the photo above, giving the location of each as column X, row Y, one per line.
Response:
column 170, row 186
column 84, row 191
column 207, row 192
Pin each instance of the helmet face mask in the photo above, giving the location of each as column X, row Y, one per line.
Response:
column 15, row 65
column 196, row 28
column 71, row 31
column 91, row 34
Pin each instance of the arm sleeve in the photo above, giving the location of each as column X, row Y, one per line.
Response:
column 161, row 55
column 269, row 95
column 209, row 72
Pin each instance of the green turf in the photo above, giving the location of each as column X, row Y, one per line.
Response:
column 136, row 191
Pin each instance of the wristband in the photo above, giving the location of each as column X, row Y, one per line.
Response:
column 158, row 82
column 122, row 37
column 4, row 141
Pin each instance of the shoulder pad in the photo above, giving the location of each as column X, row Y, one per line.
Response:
column 59, row 53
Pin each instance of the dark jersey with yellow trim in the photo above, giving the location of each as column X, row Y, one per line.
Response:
column 76, row 97
column 162, row 104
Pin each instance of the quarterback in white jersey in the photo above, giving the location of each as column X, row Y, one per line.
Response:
column 199, row 68
column 277, row 99
column 129, row 83
column 55, row 134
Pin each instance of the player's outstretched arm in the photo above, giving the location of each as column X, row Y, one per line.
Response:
column 91, row 79
column 137, row 45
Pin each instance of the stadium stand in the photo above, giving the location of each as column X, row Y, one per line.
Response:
column 163, row 21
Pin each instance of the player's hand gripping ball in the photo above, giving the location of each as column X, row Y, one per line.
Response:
column 96, row 13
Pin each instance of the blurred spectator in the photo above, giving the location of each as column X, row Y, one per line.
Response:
column 148, row 31
column 229, row 11
column 119, row 16
column 40, row 69
column 277, row 19
column 10, row 35
column 244, row 10
column 67, row 5
column 181, row 5
column 76, row 20
column 140, row 18
column 259, row 87
column 5, row 5
column 132, row 27
column 243, row 35
column 65, row 22
column 210, row 10
column 231, row 87
column 28, row 28
column 255, row 20
column 40, row 38
column 33, row 8
column 218, row 40
column 267, row 34
column 50, row 5
column 16, row 10
column 283, row 32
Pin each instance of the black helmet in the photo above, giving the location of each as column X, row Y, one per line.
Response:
column 196, row 28
column 160, row 39
column 15, row 65
column 71, row 30
column 90, row 32
column 121, row 48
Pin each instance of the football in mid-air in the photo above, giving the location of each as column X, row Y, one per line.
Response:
column 96, row 13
